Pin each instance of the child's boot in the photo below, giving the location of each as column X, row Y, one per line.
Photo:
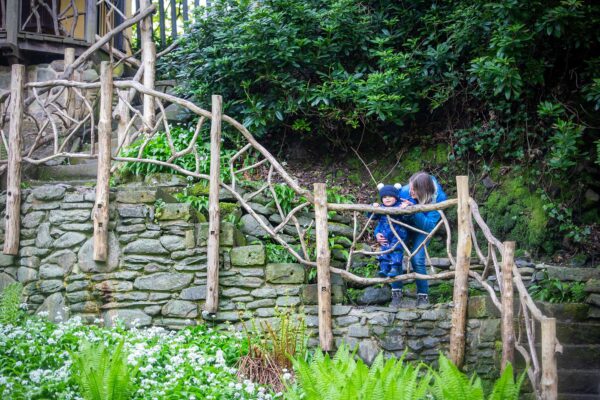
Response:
column 396, row 298
column 422, row 300
column 384, row 269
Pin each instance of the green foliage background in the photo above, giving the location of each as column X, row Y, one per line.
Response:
column 502, row 83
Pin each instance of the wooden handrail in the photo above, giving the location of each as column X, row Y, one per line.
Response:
column 417, row 208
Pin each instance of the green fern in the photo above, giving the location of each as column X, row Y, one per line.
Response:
column 10, row 304
column 346, row 377
column 449, row 383
column 102, row 373
column 506, row 388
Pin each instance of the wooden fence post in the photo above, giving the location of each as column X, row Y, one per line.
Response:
column 212, row 278
column 323, row 273
column 70, row 94
column 123, row 118
column 91, row 21
column 461, row 279
column 13, row 174
column 100, row 212
column 149, row 63
column 508, row 328
column 549, row 381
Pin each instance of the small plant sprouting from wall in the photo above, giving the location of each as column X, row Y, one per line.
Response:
column 555, row 291
column 271, row 348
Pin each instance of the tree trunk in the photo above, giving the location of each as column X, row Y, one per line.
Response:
column 212, row 278
column 461, row 284
column 323, row 273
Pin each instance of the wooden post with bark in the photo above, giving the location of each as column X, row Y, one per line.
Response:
column 461, row 284
column 123, row 118
column 549, row 381
column 212, row 278
column 100, row 211
column 91, row 21
column 15, row 144
column 149, row 63
column 508, row 328
column 323, row 272
column 70, row 94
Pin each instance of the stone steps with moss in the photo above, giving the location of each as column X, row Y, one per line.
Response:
column 77, row 171
column 66, row 173
column 579, row 382
column 577, row 396
column 579, row 364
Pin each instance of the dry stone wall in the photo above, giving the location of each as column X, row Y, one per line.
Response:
column 156, row 275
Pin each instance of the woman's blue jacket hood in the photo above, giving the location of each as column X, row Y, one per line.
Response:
column 425, row 221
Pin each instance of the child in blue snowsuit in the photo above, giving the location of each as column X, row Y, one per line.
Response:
column 390, row 264
column 422, row 189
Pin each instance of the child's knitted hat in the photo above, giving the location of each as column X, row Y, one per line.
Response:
column 389, row 190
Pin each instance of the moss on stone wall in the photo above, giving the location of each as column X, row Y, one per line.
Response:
column 515, row 212
column 431, row 158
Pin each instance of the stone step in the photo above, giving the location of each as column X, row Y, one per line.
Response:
column 65, row 173
column 577, row 396
column 565, row 311
column 580, row 381
column 578, row 333
column 579, row 356
column 80, row 161
column 74, row 182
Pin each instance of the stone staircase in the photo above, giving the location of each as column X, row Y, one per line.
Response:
column 579, row 364
column 78, row 172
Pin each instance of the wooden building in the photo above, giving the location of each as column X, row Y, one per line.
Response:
column 33, row 31
column 39, row 30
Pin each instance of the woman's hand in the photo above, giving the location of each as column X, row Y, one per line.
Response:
column 405, row 203
column 381, row 239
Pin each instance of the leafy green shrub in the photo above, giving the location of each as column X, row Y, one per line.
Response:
column 286, row 196
column 158, row 149
column 200, row 203
column 338, row 69
column 276, row 253
column 334, row 195
column 486, row 138
column 368, row 270
column 10, row 304
column 566, row 141
column 490, row 78
column 562, row 215
column 555, row 291
column 102, row 372
column 498, row 75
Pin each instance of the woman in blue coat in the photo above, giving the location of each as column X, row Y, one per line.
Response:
column 422, row 189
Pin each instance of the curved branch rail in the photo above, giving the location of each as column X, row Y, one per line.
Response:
column 44, row 92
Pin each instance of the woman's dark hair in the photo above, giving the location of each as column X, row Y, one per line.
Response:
column 423, row 187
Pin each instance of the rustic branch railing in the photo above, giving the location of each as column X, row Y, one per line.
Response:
column 66, row 106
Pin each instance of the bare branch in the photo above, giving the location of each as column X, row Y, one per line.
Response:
column 417, row 208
